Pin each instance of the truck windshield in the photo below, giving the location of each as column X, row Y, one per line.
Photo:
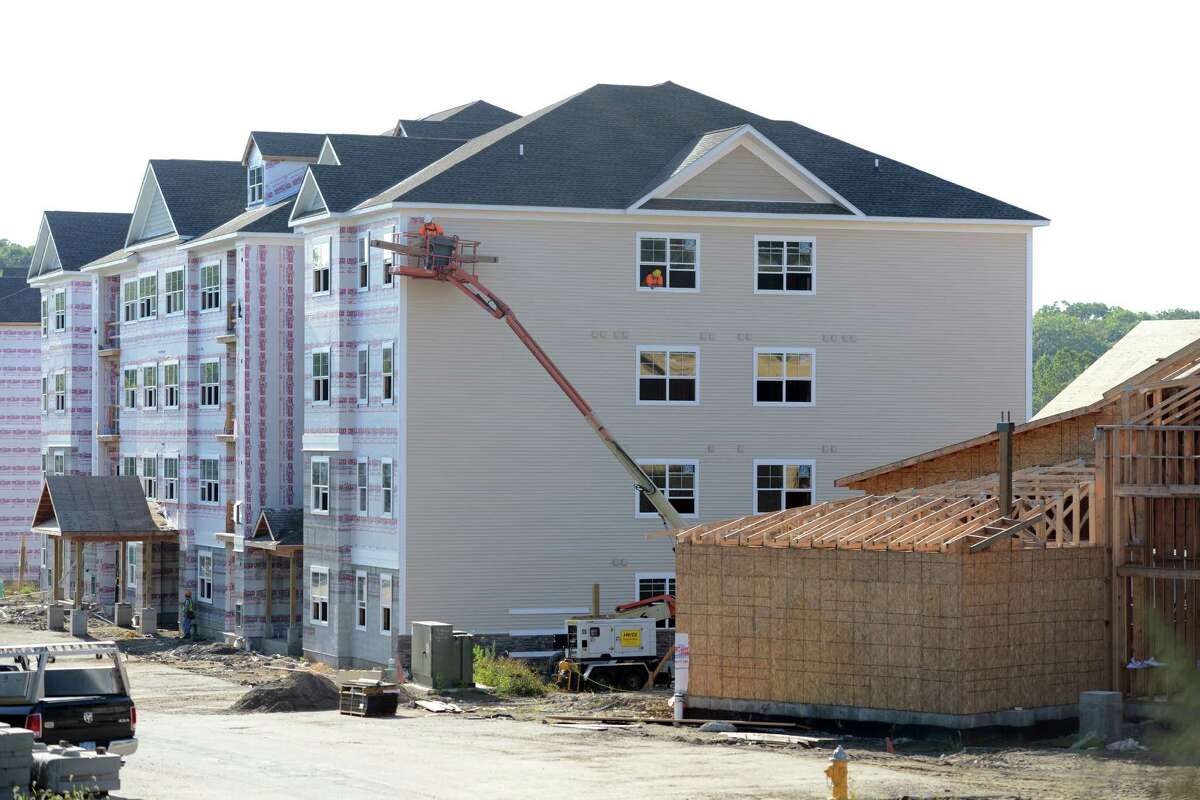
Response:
column 75, row 682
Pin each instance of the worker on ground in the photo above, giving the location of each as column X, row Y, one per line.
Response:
column 189, row 615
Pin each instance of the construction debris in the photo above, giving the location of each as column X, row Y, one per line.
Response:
column 438, row 707
column 781, row 739
column 717, row 726
column 296, row 691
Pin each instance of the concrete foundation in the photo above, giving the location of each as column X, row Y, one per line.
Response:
column 123, row 615
column 1101, row 714
column 148, row 621
column 56, row 617
column 79, row 618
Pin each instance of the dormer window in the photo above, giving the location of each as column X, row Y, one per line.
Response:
column 254, row 185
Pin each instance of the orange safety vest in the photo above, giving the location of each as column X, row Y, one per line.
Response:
column 430, row 229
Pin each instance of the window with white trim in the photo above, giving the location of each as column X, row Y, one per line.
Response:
column 45, row 315
column 320, row 377
column 45, row 393
column 150, row 386
column 654, row 584
column 128, row 466
column 131, row 378
column 318, row 593
column 386, row 475
column 254, row 185
column 204, row 576
column 148, row 296
column 150, row 476
column 60, row 310
column 783, row 264
column 173, row 292
column 170, row 479
column 319, row 257
column 210, row 481
column 364, row 262
column 171, row 385
column 362, row 487
column 210, row 286
column 388, row 368
column 129, row 300
column 210, row 383
column 385, row 604
column 780, row 485
column 60, row 391
column 783, row 376
column 60, row 462
column 388, row 259
column 668, row 376
column 668, row 262
column 132, row 572
column 360, row 600
column 678, row 480
column 319, row 481
column 364, row 375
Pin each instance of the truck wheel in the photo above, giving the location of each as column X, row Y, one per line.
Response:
column 634, row 679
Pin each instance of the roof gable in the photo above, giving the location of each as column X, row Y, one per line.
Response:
column 479, row 111
column 187, row 198
column 151, row 217
column 103, row 506
column 69, row 239
column 283, row 146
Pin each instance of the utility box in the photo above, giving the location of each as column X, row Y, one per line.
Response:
column 464, row 648
column 437, row 655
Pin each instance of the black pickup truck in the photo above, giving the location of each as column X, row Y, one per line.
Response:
column 76, row 692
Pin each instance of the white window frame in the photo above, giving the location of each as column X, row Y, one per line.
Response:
column 149, row 391
column 637, row 261
column 668, row 349
column 313, row 491
column 362, row 256
column 170, row 484
column 387, row 488
column 204, row 582
column 60, row 395
column 210, row 294
column 45, row 315
column 45, row 393
column 666, row 578
column 129, row 394
column 123, row 466
column 327, row 378
column 362, row 490
column 812, row 269
column 783, row 462
column 174, row 297
column 216, row 394
column 210, row 487
column 360, row 600
column 810, row 352
column 170, row 390
column 364, row 375
column 149, row 482
column 129, row 301
column 132, row 550
column 386, row 602
column 58, row 461
column 314, row 598
column 387, row 377
column 60, row 310
column 254, row 188
column 314, row 269
column 147, row 302
column 669, row 462
column 386, row 279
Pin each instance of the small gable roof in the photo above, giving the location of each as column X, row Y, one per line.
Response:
column 284, row 146
column 478, row 111
column 19, row 302
column 103, row 507
column 279, row 527
column 424, row 129
column 77, row 237
column 198, row 195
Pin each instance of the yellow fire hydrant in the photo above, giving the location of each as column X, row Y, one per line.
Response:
column 838, row 774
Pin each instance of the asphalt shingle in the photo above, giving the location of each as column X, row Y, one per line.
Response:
column 19, row 302
column 282, row 146
column 370, row 164
column 82, row 236
column 201, row 194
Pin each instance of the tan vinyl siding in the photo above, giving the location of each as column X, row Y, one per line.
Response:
column 513, row 503
column 740, row 175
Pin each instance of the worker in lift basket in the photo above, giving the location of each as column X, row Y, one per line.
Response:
column 428, row 231
column 189, row 615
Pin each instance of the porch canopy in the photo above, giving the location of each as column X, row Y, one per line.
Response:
column 280, row 530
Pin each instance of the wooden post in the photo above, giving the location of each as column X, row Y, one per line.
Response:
column 56, row 588
column 147, row 572
column 21, row 566
column 292, row 589
column 270, row 630
column 595, row 599
column 1004, row 469
column 121, row 567
column 78, row 573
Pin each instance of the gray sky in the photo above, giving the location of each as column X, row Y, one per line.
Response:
column 1083, row 113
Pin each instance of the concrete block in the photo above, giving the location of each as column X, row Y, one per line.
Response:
column 147, row 621
column 1101, row 713
column 56, row 617
column 79, row 618
column 68, row 769
column 123, row 614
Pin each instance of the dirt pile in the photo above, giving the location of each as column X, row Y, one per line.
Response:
column 215, row 659
column 296, row 691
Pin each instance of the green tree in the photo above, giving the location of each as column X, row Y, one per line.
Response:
column 14, row 257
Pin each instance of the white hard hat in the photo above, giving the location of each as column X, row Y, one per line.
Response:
column 428, row 218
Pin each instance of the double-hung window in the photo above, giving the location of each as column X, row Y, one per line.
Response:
column 150, row 476
column 779, row 485
column 60, row 462
column 173, row 291
column 60, row 310
column 364, row 262
column 385, row 604
column 60, row 391
column 386, row 480
column 131, row 387
column 318, row 594
column 667, row 261
column 668, row 375
column 254, row 185
column 128, row 466
column 388, row 369
column 364, row 375
column 170, row 478
column 132, row 572
column 320, row 376
column 148, row 296
column 210, row 480
column 45, row 393
column 210, row 286
column 204, row 576
column 362, row 496
column 360, row 600
column 319, row 256
column 171, row 385
column 783, row 264
column 45, row 315
column 389, row 258
column 678, row 480
column 129, row 300
column 319, row 471
column 210, row 383
column 783, row 376
column 150, row 386
column 656, row 584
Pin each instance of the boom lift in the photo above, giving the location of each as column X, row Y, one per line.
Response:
column 432, row 255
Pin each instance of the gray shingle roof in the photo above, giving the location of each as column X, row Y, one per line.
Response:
column 283, row 146
column 600, row 148
column 424, row 129
column 19, row 302
column 261, row 219
column 82, row 236
column 201, row 194
column 286, row 526
column 743, row 206
column 370, row 164
column 477, row 111
column 97, row 505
